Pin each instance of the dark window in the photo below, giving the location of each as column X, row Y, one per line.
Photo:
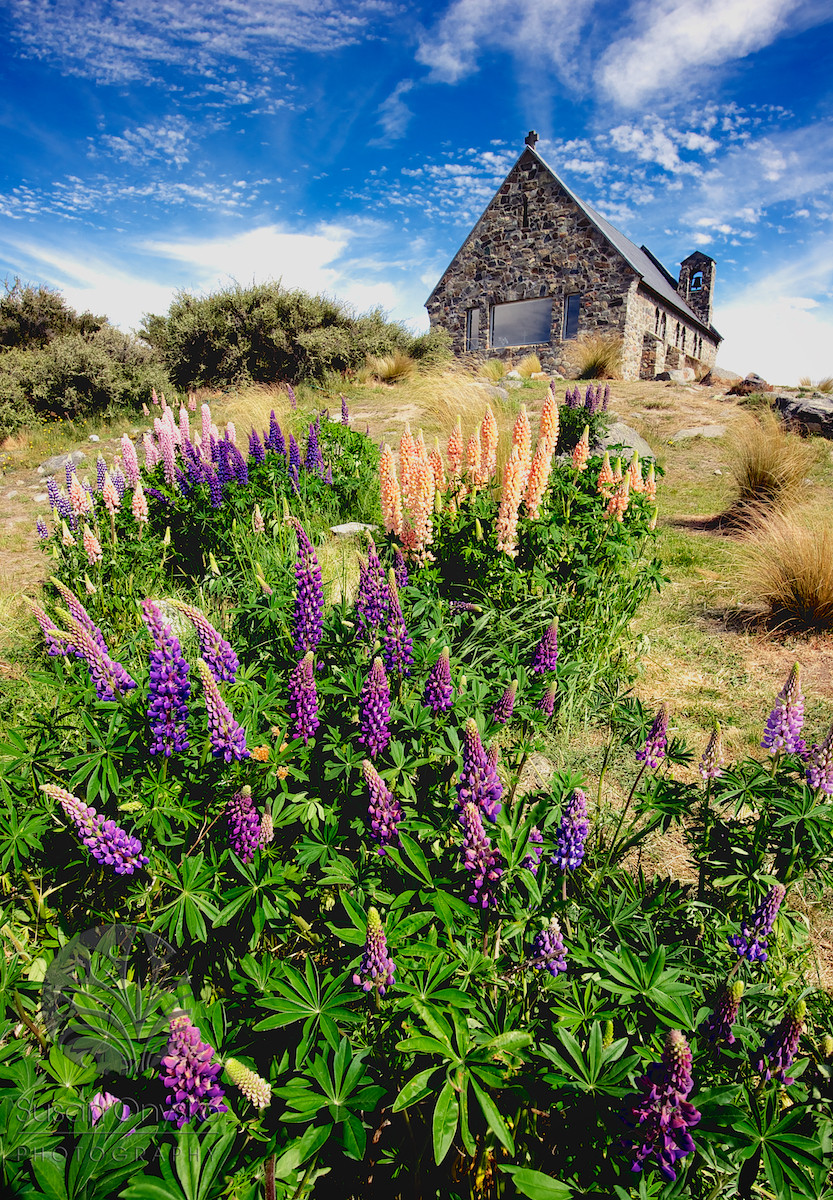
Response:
column 656, row 321
column 525, row 217
column 697, row 281
column 572, row 304
column 664, row 327
column 473, row 329
column 682, row 340
column 521, row 323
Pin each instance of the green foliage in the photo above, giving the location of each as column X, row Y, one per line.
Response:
column 32, row 316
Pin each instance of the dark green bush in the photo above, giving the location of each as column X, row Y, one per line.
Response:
column 34, row 315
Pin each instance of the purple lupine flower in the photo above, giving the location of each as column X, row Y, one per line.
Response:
column 535, row 850
column 400, row 569
column 215, row 487
column 182, row 482
column 572, row 833
column 160, row 496
column 480, row 858
column 711, row 764
column 292, row 398
column 479, row 782
column 228, row 739
column 244, row 825
column 69, row 471
column 328, row 478
column 569, row 398
column 225, row 470
column 214, row 648
column 463, row 606
column 752, row 941
column 502, row 712
column 345, row 412
column 80, row 614
column 384, row 809
column 42, row 531
column 238, row 466
column 657, row 740
column 57, row 643
column 109, row 677
column 377, row 969
column 169, row 689
column 313, row 460
column 294, row 456
column 397, row 644
column 372, row 598
column 107, row 843
column 548, row 949
column 276, row 441
column 190, row 1074
column 100, row 1103
column 119, row 483
column 779, row 1048
column 52, row 491
column 303, row 698
column 256, row 450
column 820, row 765
column 547, row 702
column 606, row 397
column 374, row 710
column 294, row 479
column 783, row 726
column 439, row 690
column 545, row 657
column 718, row 1027
column 661, row 1115
column 100, row 472
column 308, row 622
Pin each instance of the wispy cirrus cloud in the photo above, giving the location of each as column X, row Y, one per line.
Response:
column 169, row 140
column 393, row 114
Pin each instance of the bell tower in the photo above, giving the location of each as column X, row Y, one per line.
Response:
column 696, row 285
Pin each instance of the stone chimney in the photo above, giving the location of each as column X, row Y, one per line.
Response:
column 531, row 139
column 696, row 285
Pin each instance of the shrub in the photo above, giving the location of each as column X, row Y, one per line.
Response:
column 596, row 356
column 769, row 465
column 529, row 365
column 432, row 349
column 33, row 315
column 788, row 566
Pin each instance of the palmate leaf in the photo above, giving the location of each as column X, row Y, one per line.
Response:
column 320, row 1003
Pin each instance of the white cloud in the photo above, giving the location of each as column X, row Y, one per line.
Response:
column 168, row 140
column 780, row 338
column 394, row 114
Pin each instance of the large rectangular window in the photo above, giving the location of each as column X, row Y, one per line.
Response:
column 572, row 305
column 473, row 329
column 521, row 323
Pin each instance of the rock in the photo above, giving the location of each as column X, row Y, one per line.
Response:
column 59, row 461
column 807, row 414
column 718, row 375
column 11, row 495
column 41, row 497
column 620, row 434
column 684, row 375
column 93, row 438
column 717, row 471
column 351, row 528
column 752, row 383
column 539, row 375
column 499, row 393
column 705, row 431
column 514, row 383
column 513, row 375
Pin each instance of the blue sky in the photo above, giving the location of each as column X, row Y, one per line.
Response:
column 349, row 148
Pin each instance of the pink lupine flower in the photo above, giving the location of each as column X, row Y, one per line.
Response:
column 92, row 546
column 79, row 497
column 139, row 504
column 129, row 461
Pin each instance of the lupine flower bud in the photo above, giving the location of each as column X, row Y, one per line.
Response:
column 267, row 829
column 661, row 1115
column 228, row 739
column 655, row 743
column 826, row 1047
column 107, row 843
column 244, row 825
column 256, row 1090
column 374, row 710
column 92, row 546
column 439, row 692
column 572, row 833
column 397, row 644
column 783, row 727
column 651, row 485
column 502, row 712
column 169, row 688
column 718, row 1027
column 820, row 765
column 532, row 861
column 480, row 858
column 303, row 699
column 377, row 969
column 581, row 453
column 190, row 1074
column 384, row 809
column 479, row 782
column 545, row 657
column 779, row 1048
column 607, row 1034
column 100, row 1103
column 372, row 598
column 308, row 622
column 711, row 763
column 258, row 524
column 345, row 412
column 218, row 654
column 548, row 949
column 752, row 941
column 80, row 614
column 547, row 702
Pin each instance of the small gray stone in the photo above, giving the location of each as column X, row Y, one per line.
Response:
column 93, row 438
column 705, row 431
column 513, row 375
column 513, row 383
column 351, row 528
column 59, row 461
column 718, row 471
column 683, row 375
column 41, row 497
column 620, row 434
column 499, row 393
column 11, row 495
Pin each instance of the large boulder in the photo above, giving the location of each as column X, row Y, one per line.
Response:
column 59, row 461
column 719, row 375
column 807, row 414
column 682, row 375
column 619, row 434
column 749, row 386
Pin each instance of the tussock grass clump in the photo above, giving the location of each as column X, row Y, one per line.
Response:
column 769, row 466
column 596, row 356
column 824, row 385
column 389, row 368
column 788, row 566
column 529, row 365
column 494, row 369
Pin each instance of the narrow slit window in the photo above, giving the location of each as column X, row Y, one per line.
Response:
column 664, row 327
column 682, row 340
column 572, row 305
column 656, row 321
column 525, row 214
column 473, row 329
column 521, row 323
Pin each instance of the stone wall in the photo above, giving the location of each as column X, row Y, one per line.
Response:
column 648, row 317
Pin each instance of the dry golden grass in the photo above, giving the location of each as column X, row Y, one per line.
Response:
column 824, row 385
column 788, row 566
column 250, row 407
column 391, row 368
column 595, row 356
column 440, row 396
column 529, row 365
column 494, row 369
column 768, row 465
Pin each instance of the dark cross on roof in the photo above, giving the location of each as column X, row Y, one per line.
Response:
column 531, row 139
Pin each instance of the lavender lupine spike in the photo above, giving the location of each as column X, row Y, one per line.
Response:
column 107, row 843
column 276, row 439
column 502, row 712
column 225, row 471
column 606, row 397
column 244, row 825
column 572, row 833
column 214, row 648
column 57, row 643
column 779, row 1048
column 109, row 678
column 238, row 465
column 215, row 487
column 374, row 710
column 545, row 657
column 661, row 1114
column 397, row 644
column 547, row 702
column 752, row 941
column 655, row 744
column 711, row 764
column 783, row 726
column 534, row 846
column 303, row 699
column 292, row 398
column 42, row 531
column 100, row 472
column 308, row 622
column 228, row 739
column 384, row 809
column 53, row 492
column 345, row 412
column 169, row 689
column 256, row 1090
column 401, row 568
column 256, row 451
column 479, row 782
column 80, row 613
column 294, row 456
column 439, row 690
column 377, row 970
column 820, row 765
column 480, row 858
column 313, row 460
column 548, row 949
column 101, row 1102
column 69, row 471
column 191, row 1076
column 718, row 1027
column 372, row 598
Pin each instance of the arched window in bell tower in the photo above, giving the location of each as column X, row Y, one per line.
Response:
column 697, row 281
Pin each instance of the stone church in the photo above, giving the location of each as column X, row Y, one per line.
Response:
column 541, row 267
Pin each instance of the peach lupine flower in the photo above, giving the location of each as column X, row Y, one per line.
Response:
column 455, row 449
column 549, row 426
column 408, row 456
column 582, row 451
column 435, row 460
column 258, row 524
column 109, row 494
column 635, row 474
column 488, row 446
column 260, row 753
column 391, row 495
column 617, row 471
column 606, row 479
column 92, row 546
column 67, row 536
column 422, row 510
column 522, row 438
column 651, row 485
column 139, row 504
column 618, row 504
column 539, row 472
column 514, row 479
column 79, row 497
column 473, row 457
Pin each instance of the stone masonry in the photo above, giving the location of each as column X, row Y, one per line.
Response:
column 536, row 241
